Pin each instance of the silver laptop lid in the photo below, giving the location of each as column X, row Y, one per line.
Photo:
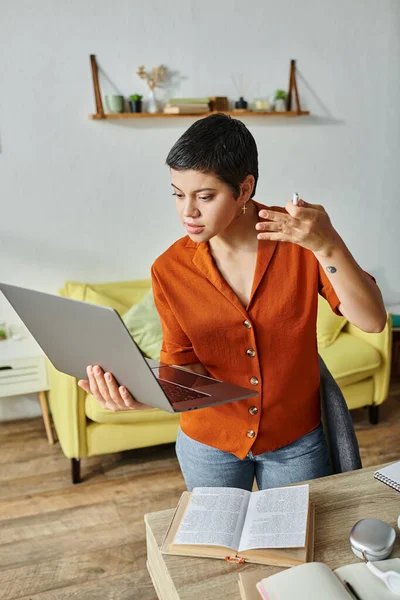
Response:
column 74, row 334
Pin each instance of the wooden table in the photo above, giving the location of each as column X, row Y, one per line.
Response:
column 340, row 501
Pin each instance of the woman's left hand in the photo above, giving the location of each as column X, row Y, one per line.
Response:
column 307, row 225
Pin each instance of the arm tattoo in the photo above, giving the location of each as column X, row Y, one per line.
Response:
column 331, row 269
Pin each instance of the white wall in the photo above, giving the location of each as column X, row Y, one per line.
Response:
column 89, row 200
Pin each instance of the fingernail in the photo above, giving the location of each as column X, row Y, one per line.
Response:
column 97, row 370
column 263, row 214
column 89, row 370
column 107, row 377
column 122, row 390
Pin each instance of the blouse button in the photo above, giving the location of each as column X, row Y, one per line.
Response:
column 247, row 324
column 251, row 433
column 250, row 352
column 254, row 381
column 253, row 410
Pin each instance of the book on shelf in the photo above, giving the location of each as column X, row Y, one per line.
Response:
column 315, row 580
column 271, row 527
column 176, row 109
column 177, row 101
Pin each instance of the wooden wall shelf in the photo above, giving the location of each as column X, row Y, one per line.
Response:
column 101, row 115
column 241, row 113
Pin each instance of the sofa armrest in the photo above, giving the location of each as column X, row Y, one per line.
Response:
column 383, row 343
column 67, row 405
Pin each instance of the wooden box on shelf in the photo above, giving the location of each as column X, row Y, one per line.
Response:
column 219, row 103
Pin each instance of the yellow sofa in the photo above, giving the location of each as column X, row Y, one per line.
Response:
column 359, row 362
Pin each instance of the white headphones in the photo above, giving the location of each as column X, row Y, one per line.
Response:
column 390, row 578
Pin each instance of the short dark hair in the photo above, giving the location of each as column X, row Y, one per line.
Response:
column 217, row 144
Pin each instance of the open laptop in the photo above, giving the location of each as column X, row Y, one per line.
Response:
column 74, row 334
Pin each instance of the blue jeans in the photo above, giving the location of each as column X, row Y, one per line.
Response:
column 204, row 466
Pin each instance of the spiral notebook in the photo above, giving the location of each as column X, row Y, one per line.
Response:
column 390, row 475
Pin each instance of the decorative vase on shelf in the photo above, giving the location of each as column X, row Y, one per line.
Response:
column 280, row 105
column 114, row 104
column 152, row 106
column 135, row 106
column 262, row 105
column 241, row 104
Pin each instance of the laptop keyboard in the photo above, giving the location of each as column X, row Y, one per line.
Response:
column 175, row 393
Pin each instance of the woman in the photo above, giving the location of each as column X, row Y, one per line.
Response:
column 237, row 299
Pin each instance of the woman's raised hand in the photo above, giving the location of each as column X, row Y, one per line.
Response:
column 111, row 396
column 307, row 225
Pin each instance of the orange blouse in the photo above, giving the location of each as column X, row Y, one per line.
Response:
column 270, row 345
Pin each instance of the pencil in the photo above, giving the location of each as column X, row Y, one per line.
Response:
column 352, row 591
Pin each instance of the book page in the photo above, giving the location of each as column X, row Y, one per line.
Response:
column 367, row 586
column 214, row 517
column 312, row 581
column 276, row 518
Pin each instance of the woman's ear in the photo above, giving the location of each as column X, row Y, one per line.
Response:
column 246, row 188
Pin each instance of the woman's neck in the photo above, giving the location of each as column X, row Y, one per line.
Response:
column 241, row 234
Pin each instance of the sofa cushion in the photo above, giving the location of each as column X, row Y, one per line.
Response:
column 350, row 359
column 93, row 297
column 119, row 295
column 329, row 325
column 86, row 293
column 144, row 325
column 95, row 412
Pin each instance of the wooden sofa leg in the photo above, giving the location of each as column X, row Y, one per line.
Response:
column 76, row 470
column 373, row 414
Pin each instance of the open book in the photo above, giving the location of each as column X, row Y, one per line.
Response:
column 316, row 580
column 272, row 527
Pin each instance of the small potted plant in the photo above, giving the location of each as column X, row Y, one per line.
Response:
column 280, row 100
column 3, row 330
column 135, row 102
